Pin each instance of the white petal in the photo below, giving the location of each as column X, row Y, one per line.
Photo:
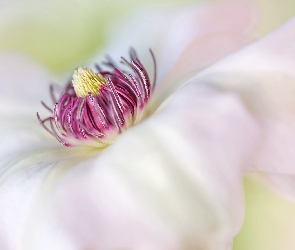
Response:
column 220, row 34
column 263, row 75
column 23, row 85
column 173, row 182
column 169, row 30
column 20, row 182
column 281, row 183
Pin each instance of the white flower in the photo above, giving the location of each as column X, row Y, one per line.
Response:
column 174, row 180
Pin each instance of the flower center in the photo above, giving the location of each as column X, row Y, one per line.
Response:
column 85, row 81
column 96, row 107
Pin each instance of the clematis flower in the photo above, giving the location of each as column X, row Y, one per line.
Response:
column 170, row 181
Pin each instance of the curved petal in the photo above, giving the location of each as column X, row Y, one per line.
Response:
column 263, row 75
column 225, row 28
column 173, row 182
column 17, row 192
column 169, row 30
column 284, row 184
column 199, row 54
column 23, row 85
column 20, row 181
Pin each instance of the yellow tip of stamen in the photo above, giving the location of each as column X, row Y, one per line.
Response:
column 85, row 81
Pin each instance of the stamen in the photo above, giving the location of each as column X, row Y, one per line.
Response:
column 155, row 69
column 51, row 91
column 95, row 108
column 86, row 81
column 45, row 106
column 56, row 135
column 42, row 122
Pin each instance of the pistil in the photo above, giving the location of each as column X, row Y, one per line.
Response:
column 85, row 81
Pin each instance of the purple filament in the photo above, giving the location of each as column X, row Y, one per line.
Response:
column 101, row 117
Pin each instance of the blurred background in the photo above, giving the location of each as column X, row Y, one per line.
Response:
column 62, row 34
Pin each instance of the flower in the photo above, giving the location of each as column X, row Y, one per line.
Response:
column 171, row 182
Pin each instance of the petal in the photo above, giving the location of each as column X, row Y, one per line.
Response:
column 263, row 75
column 17, row 191
column 20, row 181
column 173, row 182
column 284, row 184
column 23, row 85
column 201, row 53
column 225, row 28
column 168, row 32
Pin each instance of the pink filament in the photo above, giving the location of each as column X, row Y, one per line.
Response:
column 100, row 117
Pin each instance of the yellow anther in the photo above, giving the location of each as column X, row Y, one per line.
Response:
column 85, row 81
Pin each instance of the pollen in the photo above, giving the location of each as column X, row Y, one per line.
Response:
column 85, row 81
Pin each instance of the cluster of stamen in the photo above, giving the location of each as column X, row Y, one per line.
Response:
column 86, row 81
column 98, row 106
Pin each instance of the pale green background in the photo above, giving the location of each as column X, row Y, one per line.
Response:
column 62, row 33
